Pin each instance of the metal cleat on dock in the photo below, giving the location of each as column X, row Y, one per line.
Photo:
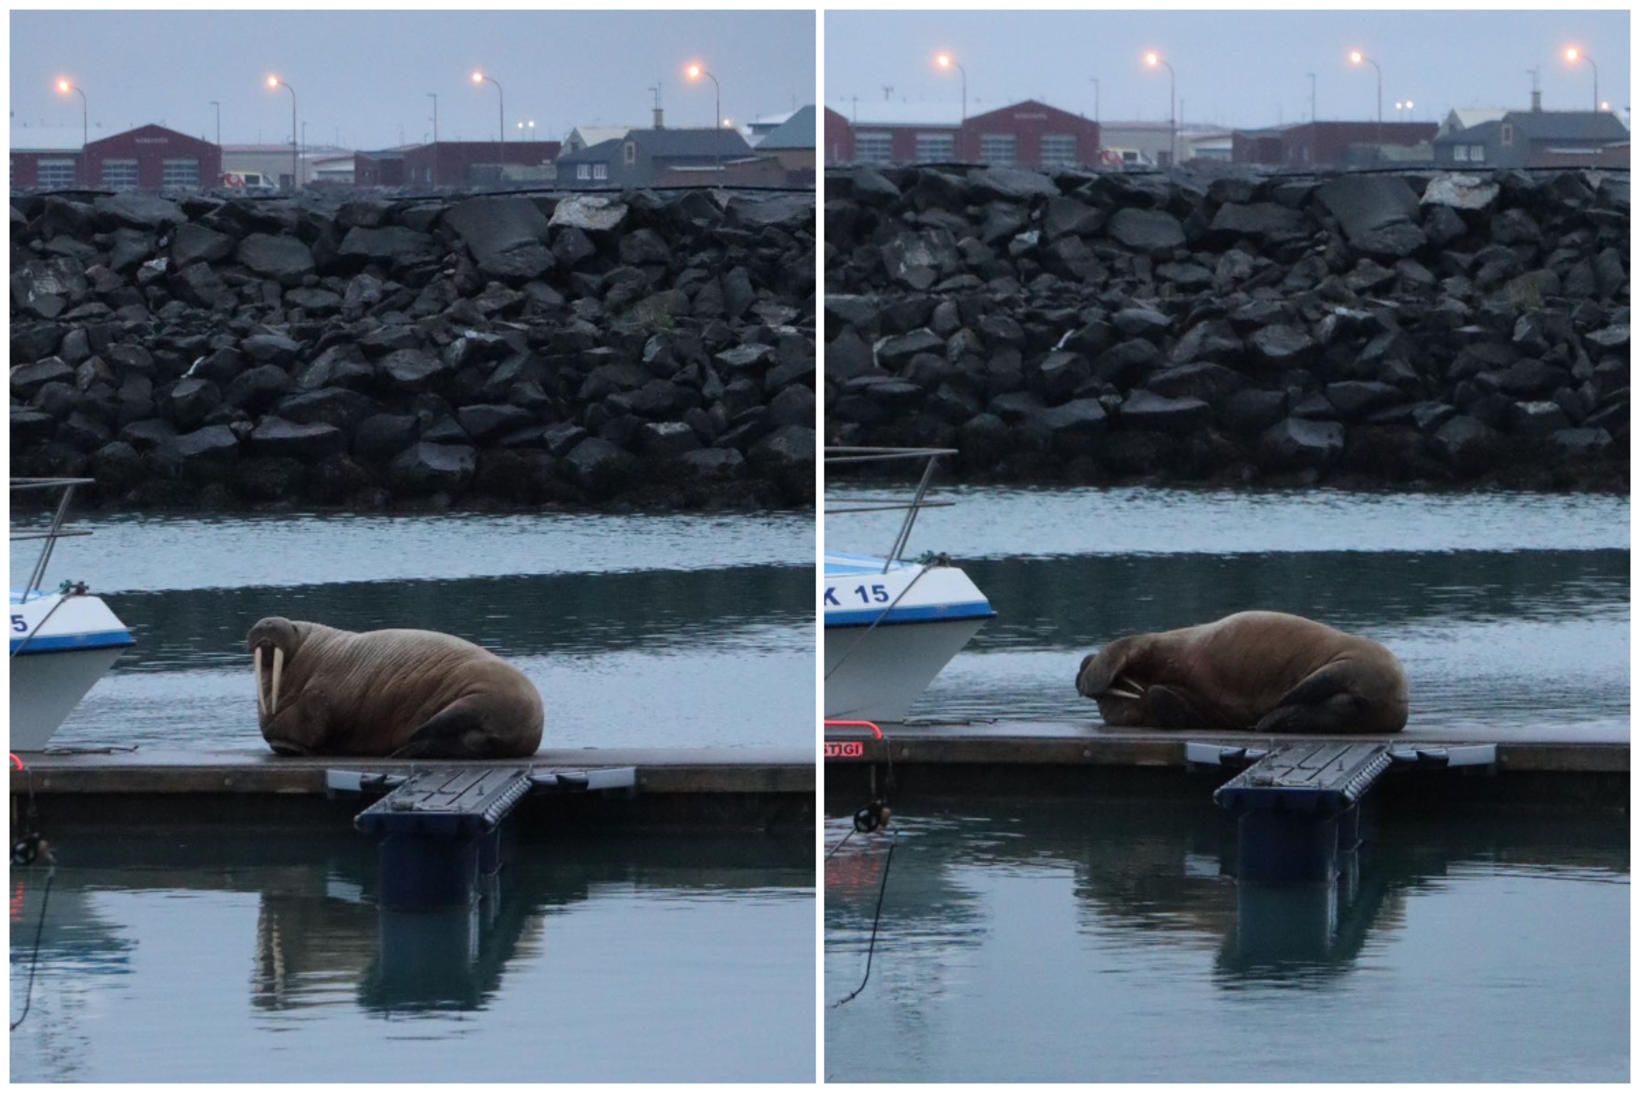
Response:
column 1298, row 804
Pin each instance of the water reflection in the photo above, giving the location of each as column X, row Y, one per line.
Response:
column 318, row 946
column 1124, row 917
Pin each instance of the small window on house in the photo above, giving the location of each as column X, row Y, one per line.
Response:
column 119, row 174
column 1507, row 135
column 1460, row 153
column 1477, row 153
column 600, row 172
column 997, row 148
column 629, row 152
column 583, row 172
column 54, row 174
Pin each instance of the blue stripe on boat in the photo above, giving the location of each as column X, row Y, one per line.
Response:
column 70, row 643
column 940, row 612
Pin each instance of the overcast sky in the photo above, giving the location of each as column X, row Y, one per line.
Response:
column 1233, row 68
column 364, row 76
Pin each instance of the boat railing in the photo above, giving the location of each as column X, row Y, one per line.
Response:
column 52, row 532
column 918, row 501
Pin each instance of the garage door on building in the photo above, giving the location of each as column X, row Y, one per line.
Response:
column 119, row 174
column 54, row 174
column 181, row 173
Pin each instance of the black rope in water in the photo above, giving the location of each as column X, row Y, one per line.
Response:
column 840, row 843
column 34, row 958
column 876, row 918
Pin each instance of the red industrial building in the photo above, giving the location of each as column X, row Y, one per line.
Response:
column 1334, row 143
column 1027, row 134
column 450, row 162
column 150, row 157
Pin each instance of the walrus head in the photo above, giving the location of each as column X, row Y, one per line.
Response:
column 272, row 642
column 1108, row 678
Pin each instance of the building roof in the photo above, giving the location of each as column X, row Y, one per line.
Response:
column 668, row 142
column 931, row 115
column 54, row 138
column 1587, row 126
column 768, row 123
column 1462, row 117
column 797, row 131
column 597, row 134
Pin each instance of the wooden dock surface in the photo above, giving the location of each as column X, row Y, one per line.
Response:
column 757, row 770
column 1065, row 744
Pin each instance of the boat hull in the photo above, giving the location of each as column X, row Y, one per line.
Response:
column 890, row 629
column 876, row 674
column 60, row 647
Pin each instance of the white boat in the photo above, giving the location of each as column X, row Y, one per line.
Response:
column 892, row 624
column 62, row 641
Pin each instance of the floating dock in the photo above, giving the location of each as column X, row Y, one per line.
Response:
column 1052, row 759
column 769, row 788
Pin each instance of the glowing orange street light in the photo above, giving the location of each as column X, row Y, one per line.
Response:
column 695, row 72
column 1574, row 55
column 295, row 146
column 1359, row 58
column 945, row 60
column 1155, row 60
column 64, row 86
column 479, row 76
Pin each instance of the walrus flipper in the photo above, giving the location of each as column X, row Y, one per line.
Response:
column 1169, row 706
column 455, row 732
column 1321, row 703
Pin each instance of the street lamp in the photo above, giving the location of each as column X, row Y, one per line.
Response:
column 434, row 96
column 500, row 102
column 1154, row 59
column 274, row 82
column 695, row 72
column 945, row 60
column 527, row 128
column 1356, row 58
column 1574, row 55
column 218, row 122
column 1095, row 81
column 63, row 88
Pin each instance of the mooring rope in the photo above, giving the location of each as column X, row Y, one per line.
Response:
column 876, row 918
column 34, row 957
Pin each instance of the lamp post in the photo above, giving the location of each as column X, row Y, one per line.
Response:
column 273, row 82
column 695, row 72
column 527, row 129
column 218, row 122
column 64, row 87
column 434, row 96
column 1153, row 59
column 945, row 60
column 1574, row 55
column 1095, row 81
column 500, row 103
column 1356, row 58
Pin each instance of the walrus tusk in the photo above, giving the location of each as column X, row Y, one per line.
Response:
column 1113, row 692
column 273, row 693
column 256, row 661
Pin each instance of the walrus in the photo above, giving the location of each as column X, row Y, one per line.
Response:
column 401, row 693
column 1259, row 670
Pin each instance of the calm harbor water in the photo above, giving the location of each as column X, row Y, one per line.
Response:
column 1105, row 941
column 1510, row 612
column 258, row 957
column 644, row 631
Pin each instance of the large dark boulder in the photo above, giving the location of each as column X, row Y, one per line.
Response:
column 282, row 258
column 1377, row 212
column 276, row 437
column 507, row 236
